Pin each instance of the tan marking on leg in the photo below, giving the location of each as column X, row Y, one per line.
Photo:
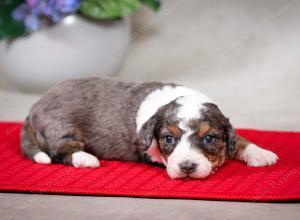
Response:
column 242, row 143
column 32, row 137
column 68, row 148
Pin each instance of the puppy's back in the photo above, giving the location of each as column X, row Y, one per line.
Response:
column 104, row 110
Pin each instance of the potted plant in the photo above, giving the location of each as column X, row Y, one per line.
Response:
column 46, row 41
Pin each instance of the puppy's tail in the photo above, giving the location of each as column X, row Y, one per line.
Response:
column 30, row 146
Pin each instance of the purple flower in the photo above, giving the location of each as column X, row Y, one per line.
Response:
column 32, row 3
column 67, row 6
column 48, row 8
column 24, row 13
column 32, row 22
column 33, row 11
column 21, row 12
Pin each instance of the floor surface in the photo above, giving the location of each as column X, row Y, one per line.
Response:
column 40, row 207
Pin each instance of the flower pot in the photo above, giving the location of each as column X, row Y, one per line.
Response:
column 74, row 48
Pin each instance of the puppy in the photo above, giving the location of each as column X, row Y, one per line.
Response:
column 78, row 122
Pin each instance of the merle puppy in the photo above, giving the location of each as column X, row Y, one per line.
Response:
column 78, row 122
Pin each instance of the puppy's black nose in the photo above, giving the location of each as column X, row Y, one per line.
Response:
column 187, row 167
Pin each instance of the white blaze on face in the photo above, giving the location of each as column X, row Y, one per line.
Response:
column 191, row 105
column 190, row 108
column 185, row 152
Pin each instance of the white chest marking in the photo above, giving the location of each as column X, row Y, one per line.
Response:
column 154, row 153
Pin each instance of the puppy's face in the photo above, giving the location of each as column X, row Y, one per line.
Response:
column 190, row 142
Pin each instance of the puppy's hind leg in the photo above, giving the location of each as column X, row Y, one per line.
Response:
column 57, row 141
column 71, row 151
column 30, row 145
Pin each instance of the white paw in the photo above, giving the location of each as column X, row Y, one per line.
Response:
column 83, row 159
column 257, row 157
column 42, row 157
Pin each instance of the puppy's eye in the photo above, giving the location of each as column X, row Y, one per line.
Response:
column 169, row 139
column 209, row 139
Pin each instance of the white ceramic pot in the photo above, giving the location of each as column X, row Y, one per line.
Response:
column 74, row 48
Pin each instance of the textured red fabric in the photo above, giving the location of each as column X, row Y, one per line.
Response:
column 234, row 181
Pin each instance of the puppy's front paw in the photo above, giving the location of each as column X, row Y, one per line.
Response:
column 83, row 159
column 257, row 157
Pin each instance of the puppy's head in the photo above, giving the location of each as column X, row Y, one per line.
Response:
column 191, row 138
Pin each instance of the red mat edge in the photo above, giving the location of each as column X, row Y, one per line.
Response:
column 115, row 193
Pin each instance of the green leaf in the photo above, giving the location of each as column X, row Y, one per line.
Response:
column 9, row 28
column 108, row 9
column 153, row 4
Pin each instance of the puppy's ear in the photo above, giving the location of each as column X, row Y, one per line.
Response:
column 230, row 139
column 147, row 132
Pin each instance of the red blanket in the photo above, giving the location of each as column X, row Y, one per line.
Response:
column 234, row 181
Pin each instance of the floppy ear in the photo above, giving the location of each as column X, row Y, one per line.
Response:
column 230, row 139
column 146, row 134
